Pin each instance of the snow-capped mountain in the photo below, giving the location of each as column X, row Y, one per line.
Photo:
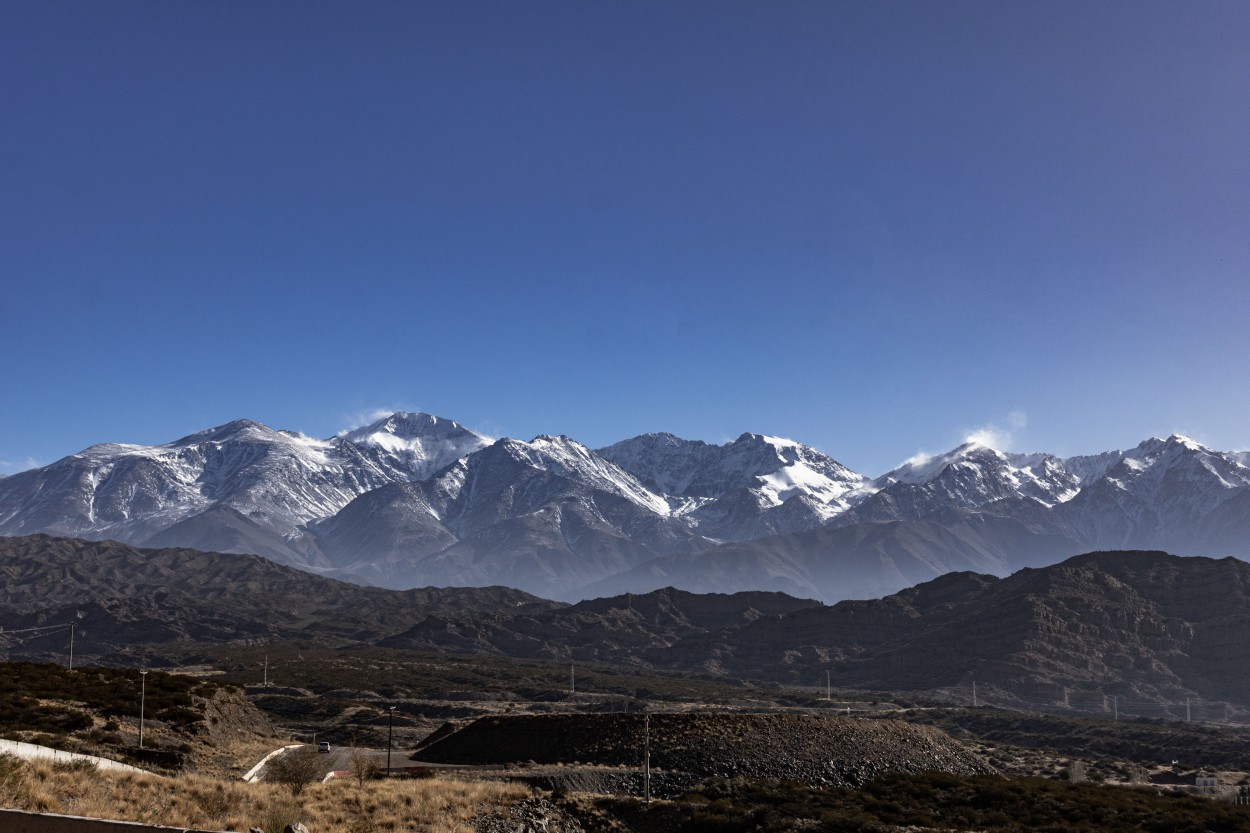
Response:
column 1162, row 494
column 242, row 483
column 416, row 444
column 414, row 499
column 970, row 477
column 754, row 486
column 1174, row 494
column 549, row 515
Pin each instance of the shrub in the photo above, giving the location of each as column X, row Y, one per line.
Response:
column 296, row 769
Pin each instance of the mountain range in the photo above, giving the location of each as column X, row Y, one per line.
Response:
column 415, row 499
column 1146, row 627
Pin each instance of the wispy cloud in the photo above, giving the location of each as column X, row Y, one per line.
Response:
column 917, row 459
column 994, row 436
column 12, row 467
column 991, row 435
column 362, row 418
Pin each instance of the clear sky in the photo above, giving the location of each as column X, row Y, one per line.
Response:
column 874, row 227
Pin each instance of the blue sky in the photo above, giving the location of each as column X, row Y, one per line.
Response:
column 872, row 227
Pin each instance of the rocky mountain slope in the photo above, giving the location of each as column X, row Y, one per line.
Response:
column 414, row 499
column 752, row 487
column 1141, row 626
column 123, row 599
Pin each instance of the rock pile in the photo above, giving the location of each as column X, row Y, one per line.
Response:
column 816, row 750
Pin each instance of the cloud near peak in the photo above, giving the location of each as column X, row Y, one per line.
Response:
column 991, row 435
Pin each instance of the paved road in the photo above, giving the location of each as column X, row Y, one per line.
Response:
column 339, row 759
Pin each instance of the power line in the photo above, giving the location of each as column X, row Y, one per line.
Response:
column 8, row 631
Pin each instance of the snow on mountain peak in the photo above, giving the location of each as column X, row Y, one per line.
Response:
column 778, row 443
column 974, row 474
column 1188, row 443
column 235, row 430
column 568, row 458
column 1156, row 447
column 421, row 443
column 922, row 468
column 404, row 425
column 704, row 482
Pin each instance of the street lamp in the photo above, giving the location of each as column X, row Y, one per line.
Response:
column 390, row 732
column 143, row 693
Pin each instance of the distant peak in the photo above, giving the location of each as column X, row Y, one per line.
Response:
column 663, row 438
column 924, row 467
column 749, row 437
column 407, row 422
column 556, row 439
column 976, row 448
column 229, row 430
column 1173, row 441
column 407, row 425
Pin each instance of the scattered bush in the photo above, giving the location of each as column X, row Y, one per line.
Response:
column 113, row 692
column 943, row 801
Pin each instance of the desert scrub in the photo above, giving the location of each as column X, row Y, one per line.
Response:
column 434, row 805
column 112, row 692
column 930, row 801
column 12, row 780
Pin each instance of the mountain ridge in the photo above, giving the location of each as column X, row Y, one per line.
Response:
column 1148, row 627
column 414, row 498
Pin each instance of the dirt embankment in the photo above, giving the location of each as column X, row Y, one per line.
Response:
column 817, row 750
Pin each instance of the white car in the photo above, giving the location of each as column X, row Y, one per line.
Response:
column 323, row 747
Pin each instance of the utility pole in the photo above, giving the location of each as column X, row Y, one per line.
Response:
column 828, row 687
column 1187, row 717
column 266, row 681
column 71, row 646
column 646, row 758
column 572, row 679
column 1065, row 697
column 143, row 693
column 974, row 694
column 1115, row 706
column 390, row 733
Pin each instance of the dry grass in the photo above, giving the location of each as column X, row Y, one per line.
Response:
column 433, row 805
column 230, row 757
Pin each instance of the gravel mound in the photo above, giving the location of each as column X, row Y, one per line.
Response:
column 533, row 815
column 819, row 751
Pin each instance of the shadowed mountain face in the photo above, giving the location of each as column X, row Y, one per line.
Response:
column 1139, row 625
column 1142, row 625
column 128, row 599
column 547, row 516
column 123, row 598
column 415, row 499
